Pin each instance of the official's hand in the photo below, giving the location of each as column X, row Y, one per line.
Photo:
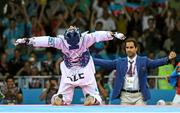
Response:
column 119, row 35
column 172, row 55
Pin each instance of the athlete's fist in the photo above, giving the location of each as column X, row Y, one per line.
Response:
column 119, row 35
column 21, row 41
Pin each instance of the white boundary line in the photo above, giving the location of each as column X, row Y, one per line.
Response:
column 151, row 106
column 88, row 112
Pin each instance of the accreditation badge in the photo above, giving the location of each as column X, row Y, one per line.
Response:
column 129, row 82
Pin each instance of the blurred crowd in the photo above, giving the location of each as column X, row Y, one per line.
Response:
column 155, row 24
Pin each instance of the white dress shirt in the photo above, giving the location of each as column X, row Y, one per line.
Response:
column 131, row 83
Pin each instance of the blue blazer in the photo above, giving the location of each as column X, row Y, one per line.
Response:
column 173, row 77
column 121, row 64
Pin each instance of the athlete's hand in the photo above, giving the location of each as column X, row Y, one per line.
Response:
column 21, row 41
column 119, row 36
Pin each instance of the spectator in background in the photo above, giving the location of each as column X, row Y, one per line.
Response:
column 98, row 6
column 48, row 64
column 37, row 27
column 57, row 66
column 169, row 21
column 10, row 34
column 1, row 96
column 25, row 70
column 131, row 74
column 50, row 90
column 107, row 20
column 32, row 7
column 168, row 44
column 58, row 22
column 95, row 25
column 13, row 95
column 152, row 36
column 174, row 4
column 1, row 40
column 147, row 13
column 103, row 87
column 79, row 20
column 175, row 36
column 83, row 7
column 60, row 14
column 135, row 22
column 4, row 71
column 35, row 82
column 34, row 62
column 164, row 71
column 122, row 21
column 61, row 24
column 175, row 81
column 15, row 63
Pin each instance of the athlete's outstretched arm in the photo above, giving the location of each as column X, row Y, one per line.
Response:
column 41, row 41
column 98, row 36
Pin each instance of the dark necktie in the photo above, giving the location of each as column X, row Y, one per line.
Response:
column 130, row 69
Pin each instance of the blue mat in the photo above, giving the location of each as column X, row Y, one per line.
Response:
column 86, row 109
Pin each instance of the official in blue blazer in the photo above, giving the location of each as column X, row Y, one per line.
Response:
column 131, row 74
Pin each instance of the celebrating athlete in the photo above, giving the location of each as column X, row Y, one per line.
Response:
column 77, row 68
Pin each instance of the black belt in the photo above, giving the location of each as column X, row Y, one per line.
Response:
column 130, row 91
